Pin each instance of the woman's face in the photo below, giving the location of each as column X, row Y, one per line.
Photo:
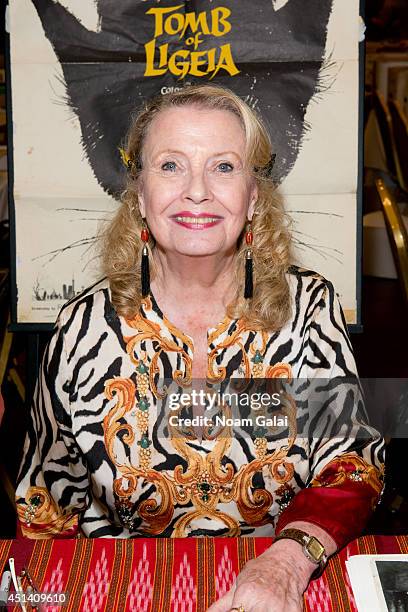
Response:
column 194, row 190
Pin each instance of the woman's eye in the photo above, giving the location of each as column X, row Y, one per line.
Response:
column 171, row 166
column 225, row 167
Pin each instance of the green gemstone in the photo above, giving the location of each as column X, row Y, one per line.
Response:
column 141, row 368
column 35, row 500
column 144, row 442
column 205, row 497
column 260, row 432
column 204, row 486
column 257, row 358
column 143, row 404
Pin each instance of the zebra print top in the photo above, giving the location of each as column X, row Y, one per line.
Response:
column 103, row 458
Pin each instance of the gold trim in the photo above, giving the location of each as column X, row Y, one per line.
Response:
column 350, row 315
column 396, row 231
column 48, row 519
column 348, row 466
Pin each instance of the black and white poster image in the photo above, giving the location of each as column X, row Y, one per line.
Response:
column 86, row 65
column 394, row 582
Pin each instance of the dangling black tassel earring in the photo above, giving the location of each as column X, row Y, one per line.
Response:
column 145, row 271
column 249, row 284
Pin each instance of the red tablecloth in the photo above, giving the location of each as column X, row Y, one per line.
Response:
column 169, row 575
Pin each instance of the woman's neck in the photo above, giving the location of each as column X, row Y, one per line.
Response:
column 204, row 278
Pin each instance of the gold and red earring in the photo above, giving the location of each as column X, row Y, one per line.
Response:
column 145, row 271
column 249, row 285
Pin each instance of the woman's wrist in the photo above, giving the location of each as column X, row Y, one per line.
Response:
column 292, row 553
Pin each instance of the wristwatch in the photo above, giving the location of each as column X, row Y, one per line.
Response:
column 312, row 548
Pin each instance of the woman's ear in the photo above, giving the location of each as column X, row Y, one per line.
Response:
column 141, row 201
column 252, row 201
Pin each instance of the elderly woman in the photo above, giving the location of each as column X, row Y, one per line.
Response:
column 198, row 286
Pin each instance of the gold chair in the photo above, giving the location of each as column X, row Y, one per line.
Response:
column 400, row 139
column 397, row 232
column 384, row 121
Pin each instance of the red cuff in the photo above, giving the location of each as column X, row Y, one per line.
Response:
column 342, row 511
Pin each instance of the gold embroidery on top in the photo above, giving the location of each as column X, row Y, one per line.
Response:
column 148, row 330
column 348, row 466
column 125, row 486
column 205, row 482
column 217, row 373
column 41, row 517
column 279, row 370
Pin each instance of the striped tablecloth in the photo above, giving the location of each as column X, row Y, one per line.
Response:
column 169, row 575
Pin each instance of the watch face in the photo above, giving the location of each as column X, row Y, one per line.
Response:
column 315, row 549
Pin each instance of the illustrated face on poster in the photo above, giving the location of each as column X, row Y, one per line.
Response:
column 87, row 66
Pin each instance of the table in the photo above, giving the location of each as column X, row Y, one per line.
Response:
column 169, row 575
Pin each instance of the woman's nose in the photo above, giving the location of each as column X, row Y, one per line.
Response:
column 197, row 189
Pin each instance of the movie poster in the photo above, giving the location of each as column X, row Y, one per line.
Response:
column 79, row 68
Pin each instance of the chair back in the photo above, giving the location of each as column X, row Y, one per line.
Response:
column 397, row 231
column 384, row 121
column 400, row 133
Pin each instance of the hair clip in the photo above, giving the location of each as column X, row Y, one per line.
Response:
column 266, row 170
column 126, row 159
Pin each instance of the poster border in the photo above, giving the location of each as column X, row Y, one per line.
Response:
column 16, row 326
column 358, row 327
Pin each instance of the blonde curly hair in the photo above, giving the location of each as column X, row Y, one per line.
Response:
column 270, row 307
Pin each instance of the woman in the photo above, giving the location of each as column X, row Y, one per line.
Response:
column 103, row 456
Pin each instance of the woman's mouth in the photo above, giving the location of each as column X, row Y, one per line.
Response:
column 196, row 222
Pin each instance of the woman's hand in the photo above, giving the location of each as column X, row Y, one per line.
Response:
column 276, row 580
column 273, row 582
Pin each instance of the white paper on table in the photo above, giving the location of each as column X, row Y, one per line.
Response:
column 365, row 581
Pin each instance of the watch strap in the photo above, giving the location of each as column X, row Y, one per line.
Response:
column 305, row 539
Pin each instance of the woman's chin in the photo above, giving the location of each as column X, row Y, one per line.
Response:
column 197, row 252
column 196, row 248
